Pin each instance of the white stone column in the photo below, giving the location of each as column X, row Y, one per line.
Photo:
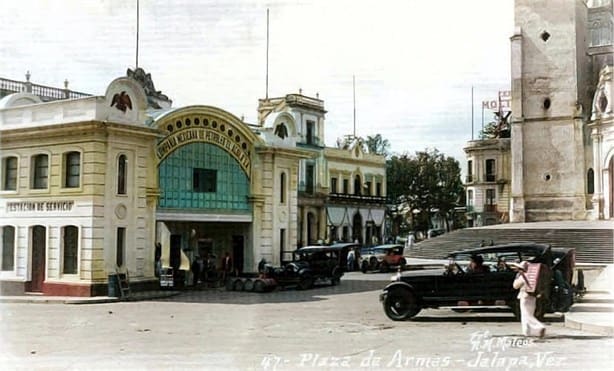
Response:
column 517, row 212
column 597, row 199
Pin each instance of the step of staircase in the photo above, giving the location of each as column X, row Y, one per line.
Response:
column 592, row 245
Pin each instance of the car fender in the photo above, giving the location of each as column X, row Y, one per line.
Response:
column 392, row 285
column 305, row 271
column 398, row 284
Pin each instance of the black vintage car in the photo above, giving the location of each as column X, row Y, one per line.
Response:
column 454, row 285
column 313, row 264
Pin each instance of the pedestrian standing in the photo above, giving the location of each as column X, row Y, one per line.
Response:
column 350, row 260
column 409, row 243
column 195, row 271
column 531, row 326
column 226, row 266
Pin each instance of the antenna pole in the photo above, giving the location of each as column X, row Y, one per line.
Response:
column 137, row 33
column 354, row 100
column 267, row 54
column 472, row 112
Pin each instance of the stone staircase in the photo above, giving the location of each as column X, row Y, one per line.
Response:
column 594, row 311
column 593, row 245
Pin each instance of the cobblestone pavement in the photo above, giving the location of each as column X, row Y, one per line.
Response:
column 326, row 328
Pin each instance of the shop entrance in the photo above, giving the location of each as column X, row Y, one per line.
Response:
column 38, row 234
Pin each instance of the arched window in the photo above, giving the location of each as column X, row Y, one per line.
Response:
column 122, row 170
column 70, row 241
column 590, row 182
column 282, row 188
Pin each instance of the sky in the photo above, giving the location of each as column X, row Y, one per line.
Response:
column 414, row 62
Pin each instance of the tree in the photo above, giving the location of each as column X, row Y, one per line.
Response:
column 378, row 145
column 427, row 181
column 500, row 128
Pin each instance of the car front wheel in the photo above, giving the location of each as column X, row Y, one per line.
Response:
column 364, row 267
column 373, row 263
column 400, row 304
column 306, row 282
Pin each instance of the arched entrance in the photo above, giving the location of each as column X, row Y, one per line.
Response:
column 357, row 228
column 38, row 237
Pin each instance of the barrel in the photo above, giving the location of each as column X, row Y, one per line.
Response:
column 238, row 284
column 248, row 284
column 230, row 284
column 264, row 284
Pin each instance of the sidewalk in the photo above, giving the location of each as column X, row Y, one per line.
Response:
column 41, row 299
column 594, row 312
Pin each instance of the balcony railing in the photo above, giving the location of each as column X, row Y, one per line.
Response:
column 469, row 179
column 305, row 101
column 490, row 208
column 490, row 177
column 344, row 197
column 47, row 93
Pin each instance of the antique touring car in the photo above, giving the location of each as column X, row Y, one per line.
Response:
column 311, row 265
column 455, row 285
column 382, row 258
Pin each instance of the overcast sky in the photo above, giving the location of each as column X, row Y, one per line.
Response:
column 414, row 61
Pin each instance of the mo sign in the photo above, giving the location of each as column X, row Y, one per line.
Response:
column 502, row 103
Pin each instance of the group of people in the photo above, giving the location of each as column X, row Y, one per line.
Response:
column 205, row 270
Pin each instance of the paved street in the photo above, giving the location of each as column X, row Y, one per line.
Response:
column 340, row 327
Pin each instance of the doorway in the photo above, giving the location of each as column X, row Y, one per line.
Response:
column 357, row 228
column 39, row 260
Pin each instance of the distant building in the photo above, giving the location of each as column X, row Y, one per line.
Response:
column 488, row 181
column 561, row 159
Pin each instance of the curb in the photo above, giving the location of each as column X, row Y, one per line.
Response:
column 81, row 301
column 570, row 322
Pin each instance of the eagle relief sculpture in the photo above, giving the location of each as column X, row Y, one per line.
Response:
column 281, row 131
column 121, row 101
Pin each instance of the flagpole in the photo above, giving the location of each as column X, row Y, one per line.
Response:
column 472, row 130
column 354, row 100
column 137, row 33
column 267, row 54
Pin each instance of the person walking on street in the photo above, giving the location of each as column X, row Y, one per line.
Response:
column 531, row 326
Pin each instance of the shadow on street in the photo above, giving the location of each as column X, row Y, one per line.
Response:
column 287, row 295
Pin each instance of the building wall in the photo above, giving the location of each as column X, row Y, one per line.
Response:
column 550, row 71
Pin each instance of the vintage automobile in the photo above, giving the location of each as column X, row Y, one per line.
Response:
column 382, row 258
column 455, row 286
column 312, row 265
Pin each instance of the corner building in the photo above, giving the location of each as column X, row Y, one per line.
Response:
column 96, row 185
